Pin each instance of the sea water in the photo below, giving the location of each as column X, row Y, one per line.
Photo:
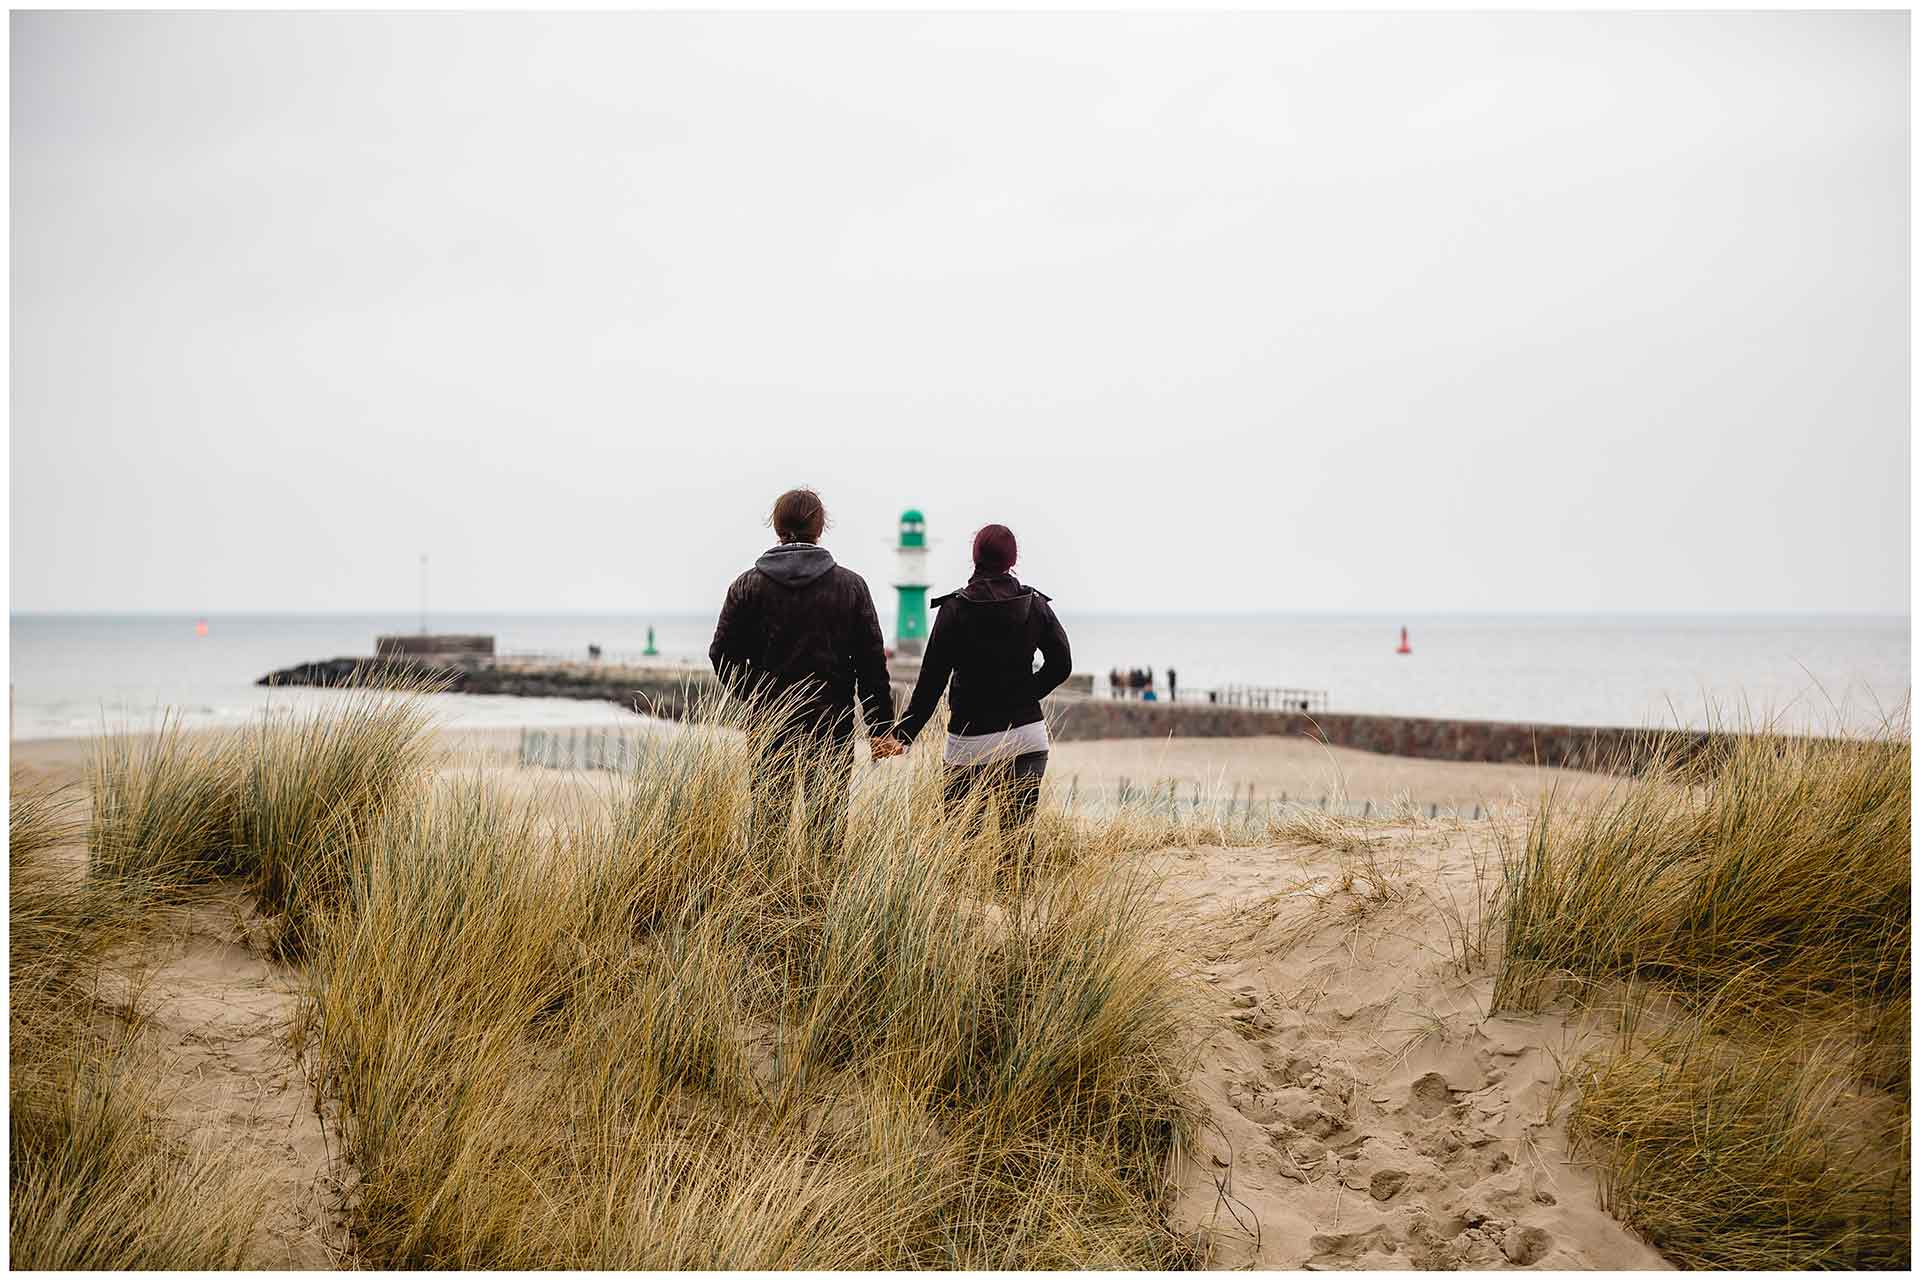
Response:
column 73, row 674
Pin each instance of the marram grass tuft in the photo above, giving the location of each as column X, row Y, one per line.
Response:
column 1752, row 901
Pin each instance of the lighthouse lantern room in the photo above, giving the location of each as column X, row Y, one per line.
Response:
column 910, row 580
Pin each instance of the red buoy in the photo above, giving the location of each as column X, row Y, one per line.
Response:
column 200, row 628
column 1404, row 647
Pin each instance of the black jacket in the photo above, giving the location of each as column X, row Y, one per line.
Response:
column 984, row 638
column 797, row 620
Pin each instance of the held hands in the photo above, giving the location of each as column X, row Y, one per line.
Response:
column 887, row 745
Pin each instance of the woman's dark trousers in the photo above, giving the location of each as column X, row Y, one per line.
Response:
column 1017, row 783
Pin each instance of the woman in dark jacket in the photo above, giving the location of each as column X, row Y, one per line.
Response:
column 984, row 639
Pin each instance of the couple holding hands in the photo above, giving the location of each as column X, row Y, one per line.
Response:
column 800, row 629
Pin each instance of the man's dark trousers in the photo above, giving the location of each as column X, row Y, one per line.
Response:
column 817, row 761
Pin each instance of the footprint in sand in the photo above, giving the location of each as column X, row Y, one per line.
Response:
column 1526, row 1246
column 1347, row 1249
column 1386, row 1184
column 1302, row 1113
column 1293, row 1069
column 1429, row 1096
column 1251, row 1102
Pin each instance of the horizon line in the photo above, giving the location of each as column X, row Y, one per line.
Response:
column 1739, row 612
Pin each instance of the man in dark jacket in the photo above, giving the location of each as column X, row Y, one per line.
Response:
column 799, row 633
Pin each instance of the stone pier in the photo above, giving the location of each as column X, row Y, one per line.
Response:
column 673, row 692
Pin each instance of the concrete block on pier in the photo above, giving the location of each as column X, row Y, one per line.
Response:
column 428, row 645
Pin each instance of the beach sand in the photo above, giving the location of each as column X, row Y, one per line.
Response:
column 1362, row 1108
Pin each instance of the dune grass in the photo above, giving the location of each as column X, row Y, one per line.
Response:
column 1753, row 902
column 95, row 1184
column 645, row 1030
column 164, row 806
column 310, row 788
column 275, row 805
column 94, row 1181
column 1786, row 856
column 59, row 923
column 1755, row 1152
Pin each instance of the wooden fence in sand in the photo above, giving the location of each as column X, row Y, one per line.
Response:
column 614, row 751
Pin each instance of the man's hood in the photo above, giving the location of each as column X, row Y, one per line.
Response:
column 794, row 564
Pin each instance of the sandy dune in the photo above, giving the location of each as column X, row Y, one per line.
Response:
column 1364, row 1111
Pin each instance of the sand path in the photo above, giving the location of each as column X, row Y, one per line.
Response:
column 1363, row 1109
column 215, row 1021
column 220, row 1017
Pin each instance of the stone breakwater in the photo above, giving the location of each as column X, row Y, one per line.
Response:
column 673, row 693
column 1600, row 748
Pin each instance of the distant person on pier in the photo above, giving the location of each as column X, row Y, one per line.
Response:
column 984, row 639
column 799, row 633
column 1173, row 686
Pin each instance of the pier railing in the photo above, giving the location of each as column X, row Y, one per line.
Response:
column 1276, row 698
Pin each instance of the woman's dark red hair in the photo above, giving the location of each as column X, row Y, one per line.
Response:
column 994, row 550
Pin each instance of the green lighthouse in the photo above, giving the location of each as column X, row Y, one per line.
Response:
column 910, row 580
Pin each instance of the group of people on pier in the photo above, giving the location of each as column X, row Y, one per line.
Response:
column 1137, row 682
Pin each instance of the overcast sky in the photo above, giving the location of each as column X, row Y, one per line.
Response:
column 1294, row 312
